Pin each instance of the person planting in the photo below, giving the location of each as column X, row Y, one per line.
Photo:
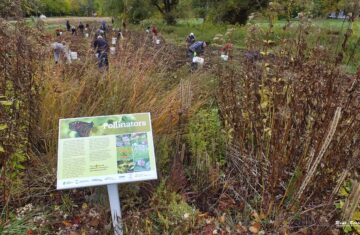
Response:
column 197, row 48
column 101, row 47
column 226, row 50
column 155, row 33
column 60, row 48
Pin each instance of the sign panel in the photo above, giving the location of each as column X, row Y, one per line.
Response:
column 105, row 150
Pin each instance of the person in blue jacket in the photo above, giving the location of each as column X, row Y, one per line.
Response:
column 197, row 48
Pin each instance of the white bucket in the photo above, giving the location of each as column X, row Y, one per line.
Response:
column 224, row 57
column 198, row 60
column 86, row 35
column 73, row 55
column 112, row 50
column 113, row 41
column 157, row 41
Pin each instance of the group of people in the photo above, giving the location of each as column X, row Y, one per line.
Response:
column 82, row 28
column 197, row 48
column 100, row 45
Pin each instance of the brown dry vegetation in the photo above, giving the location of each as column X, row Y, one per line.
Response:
column 241, row 147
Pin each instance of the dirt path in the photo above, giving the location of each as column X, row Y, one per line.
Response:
column 75, row 19
column 72, row 19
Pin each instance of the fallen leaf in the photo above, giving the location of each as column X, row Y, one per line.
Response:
column 76, row 220
column 67, row 223
column 94, row 222
column 84, row 206
column 222, row 218
column 256, row 216
column 254, row 228
column 208, row 229
column 241, row 229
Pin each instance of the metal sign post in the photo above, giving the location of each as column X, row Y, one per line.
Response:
column 114, row 200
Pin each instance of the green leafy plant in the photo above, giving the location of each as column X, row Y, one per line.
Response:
column 171, row 213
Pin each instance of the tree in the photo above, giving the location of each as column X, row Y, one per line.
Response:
column 232, row 11
column 129, row 10
column 166, row 8
column 55, row 8
column 139, row 10
column 18, row 8
column 201, row 7
column 88, row 7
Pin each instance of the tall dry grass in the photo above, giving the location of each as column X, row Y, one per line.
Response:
column 138, row 80
column 295, row 124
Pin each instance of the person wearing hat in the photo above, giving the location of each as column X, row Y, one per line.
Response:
column 101, row 47
column 190, row 39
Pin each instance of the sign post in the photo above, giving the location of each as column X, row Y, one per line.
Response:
column 114, row 200
column 106, row 150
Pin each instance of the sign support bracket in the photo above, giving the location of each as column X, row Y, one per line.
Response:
column 114, row 200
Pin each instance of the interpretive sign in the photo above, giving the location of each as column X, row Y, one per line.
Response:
column 105, row 150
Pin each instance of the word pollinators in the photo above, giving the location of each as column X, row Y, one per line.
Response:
column 116, row 125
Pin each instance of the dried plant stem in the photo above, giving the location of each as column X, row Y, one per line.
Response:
column 323, row 149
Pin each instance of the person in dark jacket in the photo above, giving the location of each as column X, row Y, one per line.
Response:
column 81, row 27
column 101, row 47
column 68, row 26
column 103, row 26
column 73, row 30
